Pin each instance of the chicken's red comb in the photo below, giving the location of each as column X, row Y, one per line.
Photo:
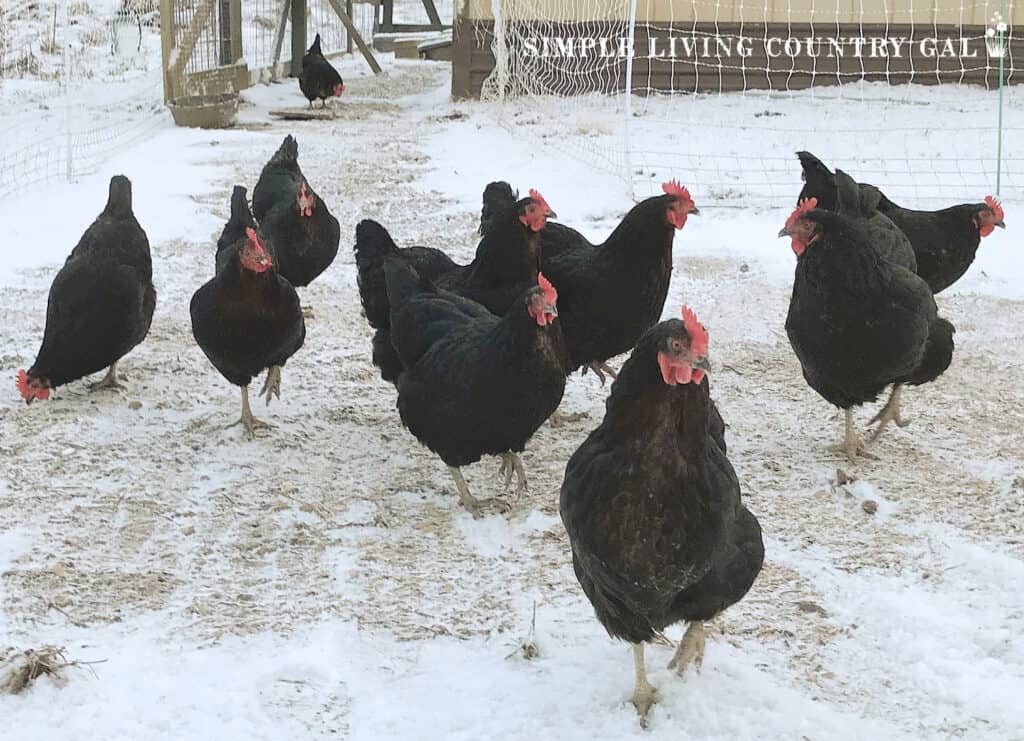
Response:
column 30, row 392
column 677, row 189
column 253, row 237
column 698, row 335
column 550, row 294
column 535, row 195
column 807, row 204
column 994, row 204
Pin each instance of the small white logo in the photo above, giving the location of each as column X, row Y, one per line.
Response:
column 995, row 37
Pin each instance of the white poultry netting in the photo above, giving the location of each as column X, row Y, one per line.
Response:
column 78, row 82
column 719, row 93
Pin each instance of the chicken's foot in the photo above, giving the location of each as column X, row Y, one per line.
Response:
column 644, row 694
column 512, row 463
column 889, row 413
column 249, row 422
column 110, row 381
column 690, row 650
column 852, row 446
column 272, row 384
column 599, row 370
column 307, row 312
column 475, row 506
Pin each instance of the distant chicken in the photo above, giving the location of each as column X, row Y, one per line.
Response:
column 472, row 383
column 299, row 227
column 839, row 192
column 318, row 79
column 652, row 506
column 247, row 317
column 506, row 263
column 858, row 322
column 612, row 293
column 101, row 302
column 944, row 242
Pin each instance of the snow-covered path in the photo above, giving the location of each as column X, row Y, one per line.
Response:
column 322, row 581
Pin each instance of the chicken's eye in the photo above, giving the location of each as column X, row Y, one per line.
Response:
column 676, row 346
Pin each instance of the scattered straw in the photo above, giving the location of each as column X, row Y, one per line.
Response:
column 19, row 669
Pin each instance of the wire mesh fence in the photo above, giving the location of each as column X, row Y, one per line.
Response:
column 89, row 84
column 262, row 25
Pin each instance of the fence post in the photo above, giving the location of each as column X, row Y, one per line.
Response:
column 68, row 140
column 1002, row 69
column 166, row 44
column 628, row 105
column 348, row 36
column 299, row 44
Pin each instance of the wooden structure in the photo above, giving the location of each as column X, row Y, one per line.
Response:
column 387, row 23
column 202, row 45
column 571, row 48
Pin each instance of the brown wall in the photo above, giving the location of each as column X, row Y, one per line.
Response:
column 752, row 63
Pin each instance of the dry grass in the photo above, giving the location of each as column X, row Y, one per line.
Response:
column 95, row 37
column 19, row 669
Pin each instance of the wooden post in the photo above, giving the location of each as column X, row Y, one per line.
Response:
column 348, row 36
column 235, row 30
column 166, row 44
column 387, row 23
column 299, row 44
column 356, row 36
column 435, row 19
column 224, row 32
column 286, row 9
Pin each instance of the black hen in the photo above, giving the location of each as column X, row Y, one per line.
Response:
column 506, row 263
column 247, row 317
column 858, row 322
column 101, row 302
column 652, row 506
column 945, row 242
column 611, row 294
column 301, row 230
column 318, row 79
column 473, row 383
column 839, row 192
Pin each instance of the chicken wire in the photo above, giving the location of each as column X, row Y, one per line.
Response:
column 97, row 87
column 262, row 18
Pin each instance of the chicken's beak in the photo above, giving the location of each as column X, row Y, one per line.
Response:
column 694, row 211
column 551, row 215
column 702, row 363
column 784, row 232
column 553, row 310
column 1001, row 224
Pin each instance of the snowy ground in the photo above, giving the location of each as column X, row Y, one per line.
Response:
column 322, row 581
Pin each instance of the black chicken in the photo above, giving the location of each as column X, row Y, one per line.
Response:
column 506, row 263
column 300, row 229
column 652, row 506
column 611, row 294
column 858, row 322
column 101, row 302
column 247, row 317
column 839, row 192
column 944, row 242
column 318, row 78
column 474, row 384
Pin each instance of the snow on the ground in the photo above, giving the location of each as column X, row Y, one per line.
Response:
column 322, row 581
